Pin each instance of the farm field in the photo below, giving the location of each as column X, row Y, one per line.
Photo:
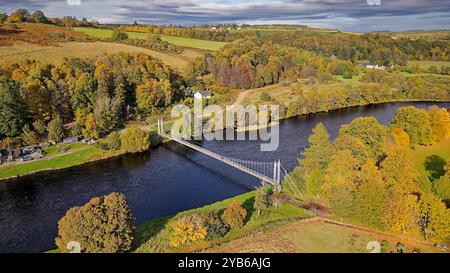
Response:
column 178, row 41
column 311, row 236
column 56, row 54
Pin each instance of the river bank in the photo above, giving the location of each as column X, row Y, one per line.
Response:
column 95, row 154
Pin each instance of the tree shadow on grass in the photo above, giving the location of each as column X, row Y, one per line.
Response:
column 248, row 205
column 434, row 164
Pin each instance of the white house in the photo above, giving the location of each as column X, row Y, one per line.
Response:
column 371, row 66
column 202, row 94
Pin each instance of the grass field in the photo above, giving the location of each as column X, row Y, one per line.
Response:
column 56, row 54
column 78, row 157
column 313, row 237
column 178, row 41
column 430, row 159
column 154, row 236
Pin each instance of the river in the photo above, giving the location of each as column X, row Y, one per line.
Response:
column 166, row 180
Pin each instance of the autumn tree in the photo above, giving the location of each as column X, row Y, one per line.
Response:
column 19, row 16
column 440, row 123
column 355, row 145
column 339, row 184
column 441, row 187
column 373, row 135
column 435, row 219
column 55, row 130
column 135, row 140
column 400, row 137
column 234, row 215
column 370, row 198
column 399, row 170
column 105, row 224
column 402, row 212
column 415, row 122
column 90, row 130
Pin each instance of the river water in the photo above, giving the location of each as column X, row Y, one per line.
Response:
column 166, row 180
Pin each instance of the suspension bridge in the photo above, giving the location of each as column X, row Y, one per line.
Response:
column 267, row 172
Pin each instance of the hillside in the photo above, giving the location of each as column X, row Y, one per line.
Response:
column 42, row 34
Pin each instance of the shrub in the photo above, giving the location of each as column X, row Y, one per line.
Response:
column 105, row 224
column 188, row 229
column 113, row 141
column 347, row 75
column 216, row 227
column 135, row 140
column 265, row 97
column 234, row 215
column 119, row 35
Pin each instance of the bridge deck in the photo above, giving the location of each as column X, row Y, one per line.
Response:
column 221, row 158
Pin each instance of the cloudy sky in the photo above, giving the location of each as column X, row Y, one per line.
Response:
column 348, row 15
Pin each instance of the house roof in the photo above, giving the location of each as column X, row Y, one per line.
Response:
column 204, row 93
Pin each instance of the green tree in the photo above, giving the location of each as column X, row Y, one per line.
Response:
column 373, row 134
column 12, row 117
column 3, row 18
column 83, row 95
column 41, row 129
column 104, row 113
column 55, row 130
column 415, row 122
column 135, row 140
column 29, row 137
column 39, row 17
column 261, row 200
column 105, row 224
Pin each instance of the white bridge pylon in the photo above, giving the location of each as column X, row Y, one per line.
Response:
column 267, row 172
